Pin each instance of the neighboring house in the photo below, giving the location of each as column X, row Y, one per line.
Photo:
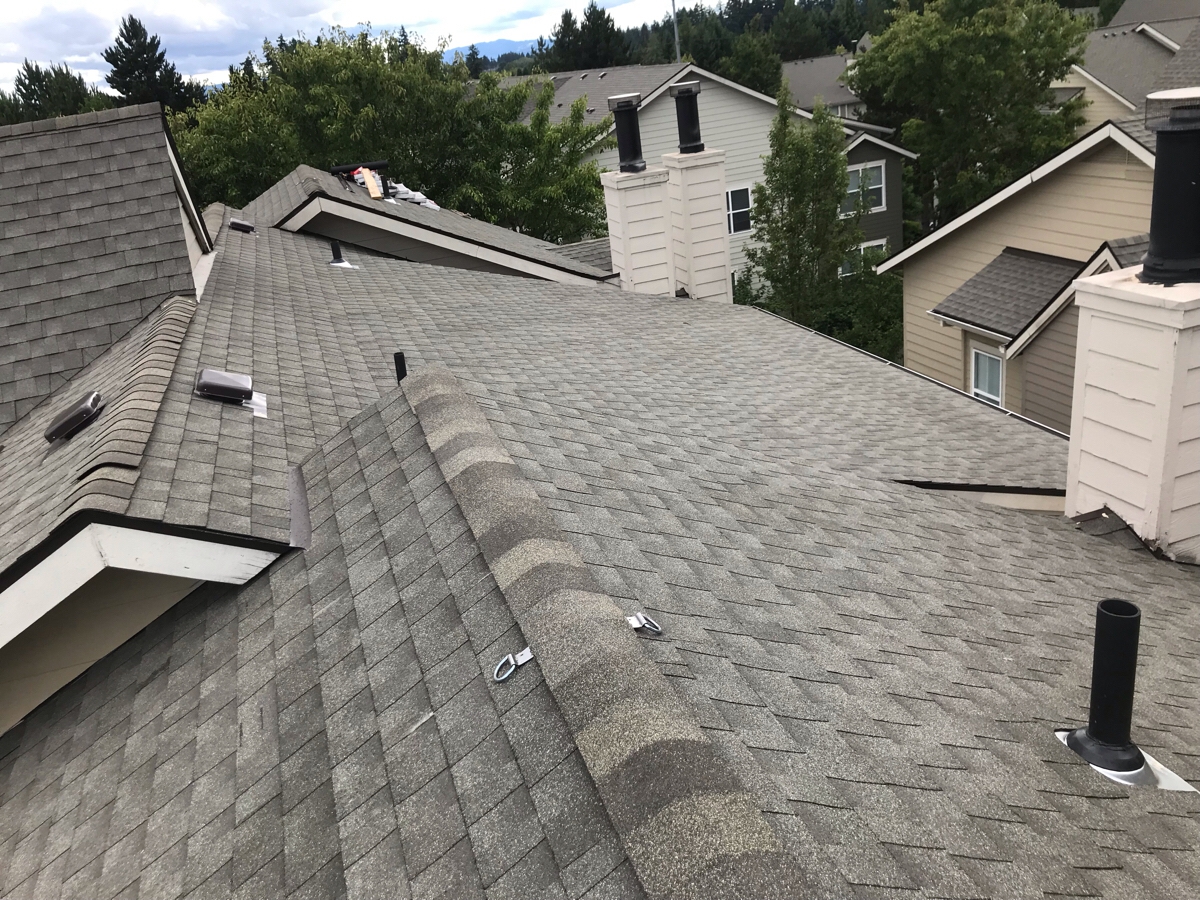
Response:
column 319, row 203
column 738, row 121
column 1123, row 60
column 1097, row 190
column 820, row 78
column 111, row 240
column 256, row 650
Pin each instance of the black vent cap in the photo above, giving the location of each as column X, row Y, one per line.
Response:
column 241, row 225
column 75, row 416
column 224, row 385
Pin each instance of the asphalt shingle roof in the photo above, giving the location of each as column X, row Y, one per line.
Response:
column 1130, row 250
column 596, row 253
column 276, row 205
column 858, row 677
column 809, row 79
column 1134, row 12
column 91, row 241
column 1126, row 61
column 597, row 85
column 1182, row 71
column 1010, row 291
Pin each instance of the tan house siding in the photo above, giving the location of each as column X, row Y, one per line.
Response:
column 1050, row 365
column 1095, row 198
column 1101, row 105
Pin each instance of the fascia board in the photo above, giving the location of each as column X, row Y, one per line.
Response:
column 1079, row 70
column 1058, row 304
column 99, row 546
column 1105, row 132
column 974, row 329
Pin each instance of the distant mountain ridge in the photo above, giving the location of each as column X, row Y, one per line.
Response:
column 493, row 48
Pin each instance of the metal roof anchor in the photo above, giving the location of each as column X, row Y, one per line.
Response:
column 509, row 664
column 641, row 620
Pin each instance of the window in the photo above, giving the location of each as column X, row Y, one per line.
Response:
column 737, row 209
column 851, row 262
column 985, row 376
column 867, row 177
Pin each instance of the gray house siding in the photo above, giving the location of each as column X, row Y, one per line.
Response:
column 1050, row 371
column 888, row 223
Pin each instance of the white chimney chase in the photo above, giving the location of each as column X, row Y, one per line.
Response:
column 699, row 229
column 1135, row 425
column 636, row 203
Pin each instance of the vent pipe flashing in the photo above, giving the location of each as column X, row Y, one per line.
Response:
column 687, row 115
column 624, row 108
column 1106, row 741
column 1174, row 253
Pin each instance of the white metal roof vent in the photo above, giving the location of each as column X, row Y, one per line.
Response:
column 75, row 417
column 231, row 386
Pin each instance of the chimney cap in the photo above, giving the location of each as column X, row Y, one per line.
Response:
column 684, row 88
column 624, row 101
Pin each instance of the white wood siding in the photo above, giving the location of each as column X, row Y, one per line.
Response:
column 1095, row 198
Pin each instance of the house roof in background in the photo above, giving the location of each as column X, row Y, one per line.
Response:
column 819, row 76
column 1125, row 60
column 596, row 253
column 1182, row 71
column 292, row 193
column 91, row 241
column 1134, row 12
column 1128, row 251
column 1107, row 131
column 1009, row 292
column 854, row 691
column 597, row 85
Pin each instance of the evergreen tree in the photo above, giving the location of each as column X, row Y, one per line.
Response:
column 754, row 62
column 845, row 24
column 46, row 93
column 601, row 43
column 475, row 62
column 796, row 34
column 141, row 73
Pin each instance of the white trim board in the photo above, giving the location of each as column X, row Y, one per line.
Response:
column 384, row 222
column 1080, row 70
column 1103, row 261
column 1106, row 132
column 186, row 199
column 967, row 326
column 1155, row 35
column 97, row 547
column 874, row 140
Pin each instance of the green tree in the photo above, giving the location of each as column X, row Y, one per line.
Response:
column 801, row 239
column 140, row 71
column 796, row 33
column 846, row 24
column 1108, row 9
column 967, row 85
column 475, row 62
column 44, row 93
column 866, row 309
column 754, row 62
column 363, row 96
column 590, row 43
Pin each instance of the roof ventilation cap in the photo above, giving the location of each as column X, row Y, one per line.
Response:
column 624, row 108
column 75, row 417
column 687, row 115
column 1174, row 254
column 218, row 385
column 241, row 225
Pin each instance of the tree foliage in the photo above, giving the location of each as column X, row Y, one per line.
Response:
column 141, row 73
column 344, row 98
column 44, row 93
column 801, row 238
column 754, row 62
column 967, row 85
column 590, row 43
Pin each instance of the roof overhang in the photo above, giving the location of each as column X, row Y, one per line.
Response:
column 185, row 196
column 1102, row 260
column 871, row 139
column 1085, row 145
column 1080, row 70
column 968, row 326
column 1157, row 36
column 317, row 204
column 192, row 554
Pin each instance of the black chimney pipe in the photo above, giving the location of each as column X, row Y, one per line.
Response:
column 624, row 108
column 376, row 166
column 401, row 366
column 687, row 115
column 1106, row 742
column 1174, row 254
column 336, row 249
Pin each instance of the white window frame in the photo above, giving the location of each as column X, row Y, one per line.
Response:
column 729, row 210
column 859, row 167
column 977, row 392
column 881, row 242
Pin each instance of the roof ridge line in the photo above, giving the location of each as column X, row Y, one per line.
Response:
column 688, row 824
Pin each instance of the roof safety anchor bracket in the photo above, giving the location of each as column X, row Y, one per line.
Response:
column 510, row 663
column 641, row 620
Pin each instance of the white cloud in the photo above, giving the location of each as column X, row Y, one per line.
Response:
column 216, row 33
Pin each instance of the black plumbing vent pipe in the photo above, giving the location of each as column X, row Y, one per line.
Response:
column 1174, row 254
column 1106, row 741
column 336, row 249
column 376, row 166
column 401, row 366
column 624, row 108
column 687, row 115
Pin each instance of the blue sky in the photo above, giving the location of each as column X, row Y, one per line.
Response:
column 202, row 37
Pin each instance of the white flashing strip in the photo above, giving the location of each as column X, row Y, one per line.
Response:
column 967, row 326
column 874, row 140
column 1103, row 261
column 98, row 547
column 1080, row 70
column 1155, row 35
column 186, row 199
column 384, row 222
column 1106, row 132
